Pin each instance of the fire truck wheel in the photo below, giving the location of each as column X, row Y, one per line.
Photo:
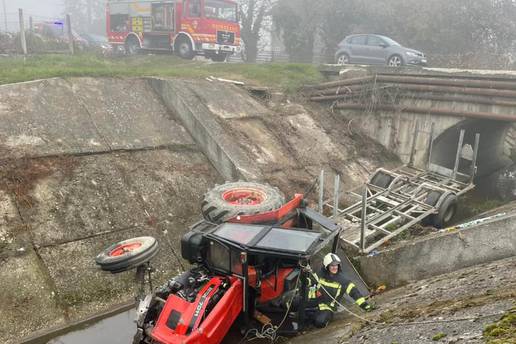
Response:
column 127, row 254
column 132, row 46
column 226, row 201
column 220, row 57
column 184, row 49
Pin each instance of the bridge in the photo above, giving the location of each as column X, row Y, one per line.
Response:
column 392, row 105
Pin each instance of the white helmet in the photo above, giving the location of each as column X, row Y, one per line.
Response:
column 331, row 259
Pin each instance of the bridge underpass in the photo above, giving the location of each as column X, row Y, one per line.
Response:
column 391, row 105
column 491, row 153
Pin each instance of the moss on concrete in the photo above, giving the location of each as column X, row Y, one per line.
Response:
column 503, row 331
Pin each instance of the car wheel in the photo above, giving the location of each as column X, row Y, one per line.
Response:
column 184, row 49
column 132, row 46
column 343, row 59
column 229, row 200
column 395, row 61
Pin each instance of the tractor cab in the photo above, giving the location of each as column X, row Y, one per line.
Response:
column 270, row 262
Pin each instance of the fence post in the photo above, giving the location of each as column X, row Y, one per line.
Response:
column 69, row 34
column 5, row 16
column 22, row 32
column 321, row 192
column 336, row 193
column 363, row 224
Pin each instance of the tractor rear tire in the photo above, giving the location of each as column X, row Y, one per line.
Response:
column 229, row 200
column 127, row 254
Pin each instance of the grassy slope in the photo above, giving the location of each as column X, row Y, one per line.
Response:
column 285, row 76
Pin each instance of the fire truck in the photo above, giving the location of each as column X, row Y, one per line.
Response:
column 185, row 27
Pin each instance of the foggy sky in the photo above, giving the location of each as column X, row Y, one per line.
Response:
column 39, row 10
column 36, row 8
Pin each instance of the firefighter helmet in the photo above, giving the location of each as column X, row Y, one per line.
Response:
column 331, row 259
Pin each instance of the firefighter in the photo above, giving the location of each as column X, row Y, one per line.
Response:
column 328, row 287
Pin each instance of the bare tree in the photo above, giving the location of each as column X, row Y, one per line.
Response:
column 253, row 15
column 297, row 22
column 95, row 18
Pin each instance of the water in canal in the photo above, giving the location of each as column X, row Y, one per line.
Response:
column 118, row 329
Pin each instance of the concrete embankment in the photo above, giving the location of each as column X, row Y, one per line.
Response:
column 441, row 253
column 88, row 162
column 85, row 163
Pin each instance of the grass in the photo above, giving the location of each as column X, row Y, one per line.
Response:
column 285, row 76
column 439, row 336
column 503, row 331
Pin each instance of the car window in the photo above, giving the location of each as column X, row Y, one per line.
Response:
column 391, row 41
column 361, row 40
column 375, row 41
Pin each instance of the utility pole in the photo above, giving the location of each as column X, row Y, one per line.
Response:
column 5, row 15
column 70, row 34
column 89, row 15
column 22, row 32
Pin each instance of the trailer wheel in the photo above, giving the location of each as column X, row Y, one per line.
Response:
column 183, row 48
column 127, row 254
column 446, row 211
column 226, row 201
column 381, row 179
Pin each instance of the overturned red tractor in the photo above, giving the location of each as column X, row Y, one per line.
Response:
column 250, row 257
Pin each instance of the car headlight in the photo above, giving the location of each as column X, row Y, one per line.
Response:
column 411, row 54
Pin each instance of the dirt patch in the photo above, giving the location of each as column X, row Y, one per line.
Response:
column 19, row 177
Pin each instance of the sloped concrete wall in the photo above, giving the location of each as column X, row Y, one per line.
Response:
column 85, row 163
column 441, row 253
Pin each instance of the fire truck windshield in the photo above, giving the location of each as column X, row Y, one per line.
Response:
column 219, row 9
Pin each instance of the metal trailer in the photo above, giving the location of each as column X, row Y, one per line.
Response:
column 393, row 201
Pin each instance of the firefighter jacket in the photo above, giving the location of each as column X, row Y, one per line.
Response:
column 326, row 289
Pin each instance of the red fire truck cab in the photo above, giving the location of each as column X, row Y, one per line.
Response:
column 186, row 27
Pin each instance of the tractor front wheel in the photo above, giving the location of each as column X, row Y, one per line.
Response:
column 127, row 254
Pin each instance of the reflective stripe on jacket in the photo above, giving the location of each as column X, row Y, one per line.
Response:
column 327, row 289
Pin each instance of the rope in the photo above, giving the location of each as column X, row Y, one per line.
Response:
column 311, row 188
column 269, row 331
column 174, row 253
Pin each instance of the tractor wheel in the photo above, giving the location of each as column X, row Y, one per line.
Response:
column 127, row 254
column 226, row 201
